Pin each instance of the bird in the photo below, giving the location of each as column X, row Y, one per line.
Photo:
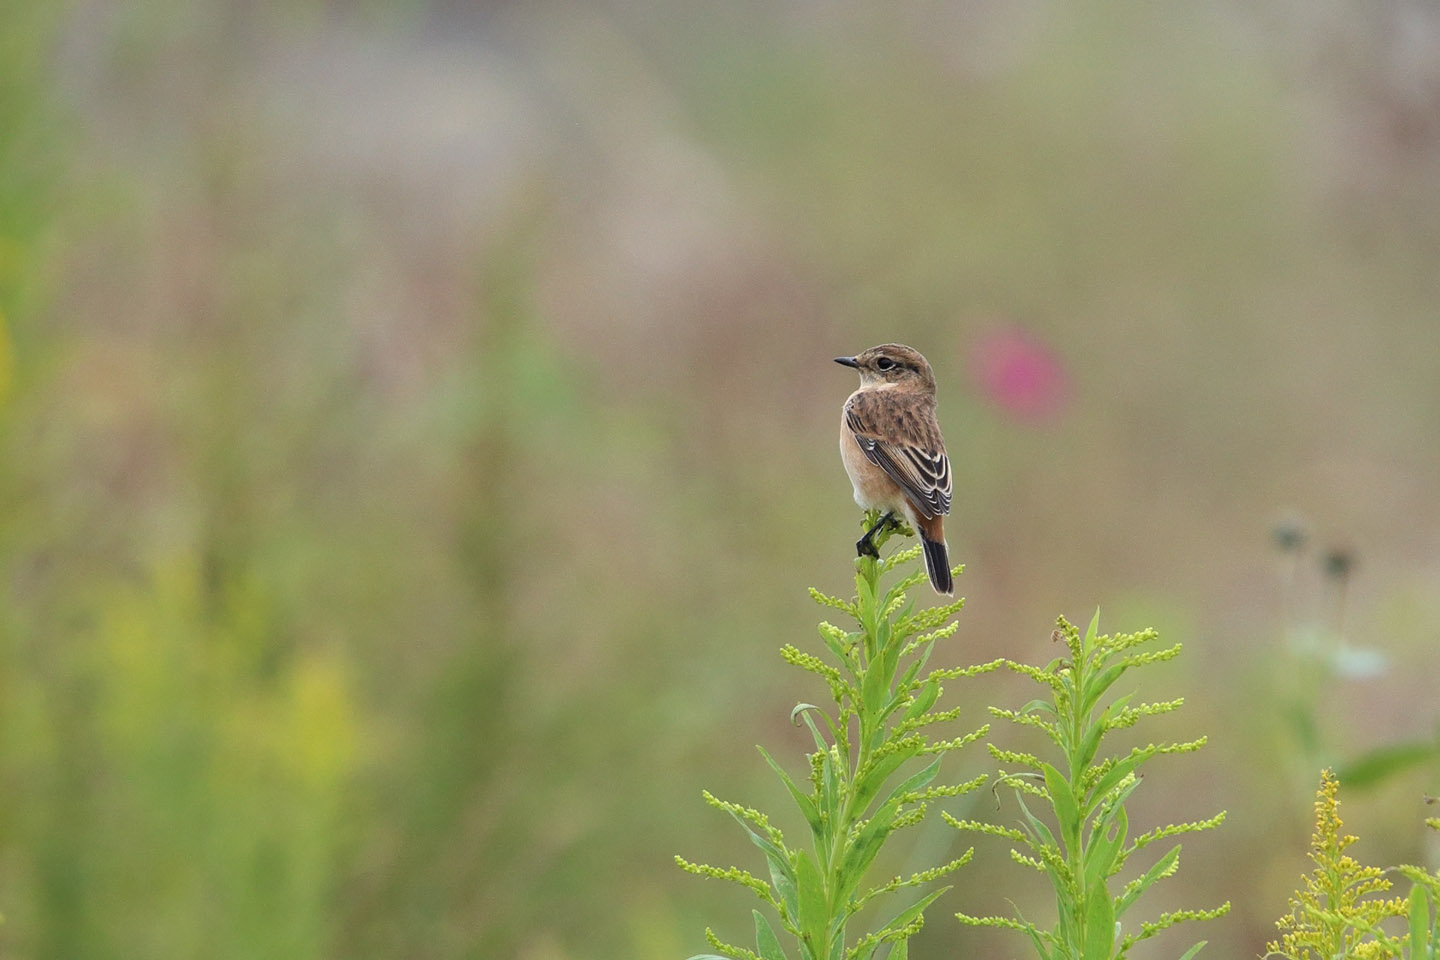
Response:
column 894, row 454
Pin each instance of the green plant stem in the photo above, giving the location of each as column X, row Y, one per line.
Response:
column 1088, row 844
column 860, row 792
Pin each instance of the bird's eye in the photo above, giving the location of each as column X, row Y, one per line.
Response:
column 884, row 363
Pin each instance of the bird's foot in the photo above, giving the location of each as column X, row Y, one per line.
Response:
column 865, row 546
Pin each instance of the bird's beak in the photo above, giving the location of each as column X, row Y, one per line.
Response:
column 848, row 362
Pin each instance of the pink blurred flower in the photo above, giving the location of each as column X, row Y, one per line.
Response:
column 1020, row 374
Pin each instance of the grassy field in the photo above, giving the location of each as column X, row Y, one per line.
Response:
column 418, row 436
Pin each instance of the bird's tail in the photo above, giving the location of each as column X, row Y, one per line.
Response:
column 937, row 564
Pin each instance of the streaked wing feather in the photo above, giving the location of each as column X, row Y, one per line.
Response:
column 921, row 469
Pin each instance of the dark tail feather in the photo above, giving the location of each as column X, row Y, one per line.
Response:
column 937, row 564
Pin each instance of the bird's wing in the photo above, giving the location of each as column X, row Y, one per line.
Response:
column 903, row 439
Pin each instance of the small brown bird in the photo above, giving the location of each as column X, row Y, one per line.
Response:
column 894, row 454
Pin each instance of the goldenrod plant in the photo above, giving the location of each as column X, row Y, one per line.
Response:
column 1424, row 933
column 1341, row 907
column 1083, row 843
column 863, row 783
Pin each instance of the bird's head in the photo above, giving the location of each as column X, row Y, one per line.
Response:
column 892, row 363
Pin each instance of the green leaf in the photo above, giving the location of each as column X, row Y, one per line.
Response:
column 1035, row 940
column 1067, row 812
column 1384, row 762
column 882, row 634
column 1035, row 936
column 1068, row 942
column 814, row 913
column 901, row 950
column 908, row 677
column 1037, row 705
column 828, row 798
column 803, row 801
column 803, row 711
column 861, row 851
column 1117, row 802
column 871, row 782
column 865, row 592
column 1161, row 867
column 782, row 877
column 890, row 654
column 1420, row 946
column 1190, row 954
column 781, row 874
column 924, row 700
column 766, row 942
column 911, row 912
column 865, row 606
column 835, row 646
column 1092, row 630
column 914, row 782
column 878, row 700
column 874, row 686
column 1089, row 743
column 1104, row 846
column 1120, row 703
column 923, row 657
column 762, row 842
column 1116, row 774
column 1098, row 684
column 1038, row 829
column 1099, row 924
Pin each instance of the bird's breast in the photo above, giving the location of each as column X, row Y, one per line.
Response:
column 874, row 490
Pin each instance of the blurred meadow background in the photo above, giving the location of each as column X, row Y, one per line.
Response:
column 419, row 428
